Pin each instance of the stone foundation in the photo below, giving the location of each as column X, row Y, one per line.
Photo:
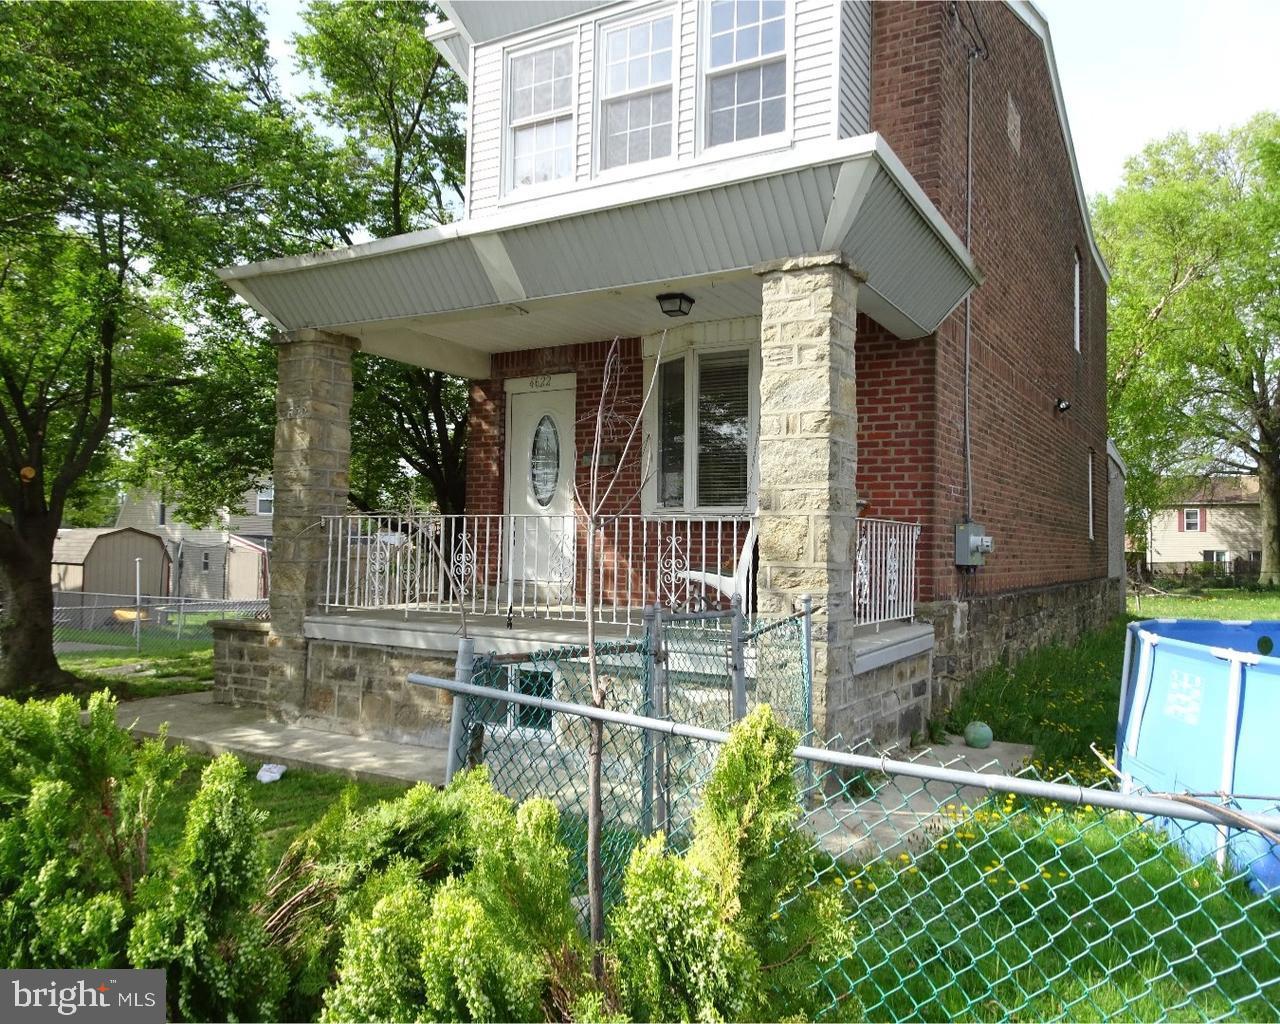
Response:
column 358, row 689
column 975, row 634
column 889, row 704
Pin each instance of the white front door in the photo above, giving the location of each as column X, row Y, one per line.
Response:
column 540, row 446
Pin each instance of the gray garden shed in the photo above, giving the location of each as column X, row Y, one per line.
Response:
column 104, row 561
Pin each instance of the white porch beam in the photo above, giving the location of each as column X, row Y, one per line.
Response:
column 492, row 253
column 429, row 352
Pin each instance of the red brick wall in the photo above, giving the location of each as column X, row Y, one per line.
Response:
column 896, row 402
column 1029, row 484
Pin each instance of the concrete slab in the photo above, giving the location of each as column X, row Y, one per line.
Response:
column 208, row 728
column 905, row 814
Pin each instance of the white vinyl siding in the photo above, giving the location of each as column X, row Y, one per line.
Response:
column 815, row 65
column 854, row 114
column 818, row 80
column 485, row 172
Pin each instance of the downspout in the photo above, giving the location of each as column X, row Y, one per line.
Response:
column 968, row 299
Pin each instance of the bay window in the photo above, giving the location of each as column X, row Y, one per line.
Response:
column 636, row 92
column 540, row 114
column 746, row 77
column 704, row 431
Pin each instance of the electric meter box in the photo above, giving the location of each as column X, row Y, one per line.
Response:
column 973, row 544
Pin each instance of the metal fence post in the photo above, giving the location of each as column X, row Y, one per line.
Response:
column 137, row 604
column 806, row 674
column 659, row 656
column 646, row 739
column 462, row 674
column 738, row 661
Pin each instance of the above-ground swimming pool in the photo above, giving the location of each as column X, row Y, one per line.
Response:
column 1200, row 714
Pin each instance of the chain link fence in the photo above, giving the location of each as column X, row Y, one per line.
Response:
column 102, row 625
column 969, row 896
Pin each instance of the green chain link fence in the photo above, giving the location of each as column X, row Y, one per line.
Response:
column 963, row 904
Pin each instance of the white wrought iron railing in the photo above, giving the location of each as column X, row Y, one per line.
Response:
column 535, row 566
column 884, row 579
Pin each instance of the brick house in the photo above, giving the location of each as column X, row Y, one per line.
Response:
column 889, row 343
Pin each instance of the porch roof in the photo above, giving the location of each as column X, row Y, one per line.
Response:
column 586, row 264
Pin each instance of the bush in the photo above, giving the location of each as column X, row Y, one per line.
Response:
column 77, row 803
column 199, row 925
column 735, row 929
column 485, row 943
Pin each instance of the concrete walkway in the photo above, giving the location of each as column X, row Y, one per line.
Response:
column 907, row 814
column 208, row 728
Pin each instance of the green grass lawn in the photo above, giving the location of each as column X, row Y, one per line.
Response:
column 1212, row 603
column 1020, row 912
column 1059, row 699
column 291, row 804
column 132, row 676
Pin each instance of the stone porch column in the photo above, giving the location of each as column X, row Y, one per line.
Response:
column 311, row 479
column 808, row 461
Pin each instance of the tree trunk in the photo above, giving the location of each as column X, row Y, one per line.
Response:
column 1269, row 503
column 27, row 661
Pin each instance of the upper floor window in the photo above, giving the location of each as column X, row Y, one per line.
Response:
column 1076, row 306
column 204, row 561
column 266, row 501
column 637, row 92
column 540, row 114
column 1191, row 520
column 746, row 78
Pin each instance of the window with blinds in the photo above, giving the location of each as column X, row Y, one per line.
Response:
column 722, row 411
column 671, row 434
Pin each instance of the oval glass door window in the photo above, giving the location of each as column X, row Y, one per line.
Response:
column 544, row 461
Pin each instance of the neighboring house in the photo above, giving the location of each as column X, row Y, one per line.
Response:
column 106, row 561
column 226, row 561
column 1219, row 523
column 863, row 370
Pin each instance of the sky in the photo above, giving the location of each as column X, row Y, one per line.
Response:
column 1131, row 70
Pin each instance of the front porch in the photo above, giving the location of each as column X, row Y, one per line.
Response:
column 744, row 483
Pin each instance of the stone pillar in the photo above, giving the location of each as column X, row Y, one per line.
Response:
column 311, row 479
column 808, row 461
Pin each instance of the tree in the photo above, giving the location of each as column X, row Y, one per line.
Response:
column 390, row 160
column 130, row 162
column 1192, row 236
column 396, row 103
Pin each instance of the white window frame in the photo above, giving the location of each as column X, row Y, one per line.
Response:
column 599, row 96
column 511, row 727
column 690, row 353
column 1089, row 474
column 1224, row 560
column 702, row 128
column 1186, row 526
column 204, row 561
column 507, row 154
column 1077, row 282
column 264, row 494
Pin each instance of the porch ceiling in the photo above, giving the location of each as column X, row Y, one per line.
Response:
column 587, row 264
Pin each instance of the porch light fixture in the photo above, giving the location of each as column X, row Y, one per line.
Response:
column 675, row 303
column 1061, row 405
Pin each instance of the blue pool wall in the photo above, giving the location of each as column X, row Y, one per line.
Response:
column 1200, row 713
